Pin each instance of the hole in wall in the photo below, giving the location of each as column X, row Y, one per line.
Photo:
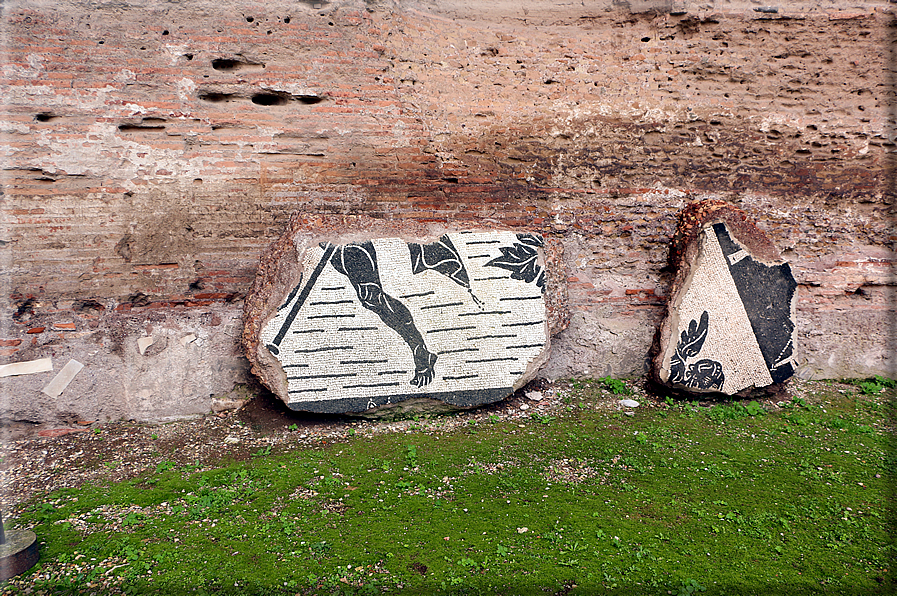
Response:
column 101, row 42
column 233, row 65
column 188, row 56
column 250, row 19
column 140, row 127
column 24, row 310
column 269, row 99
column 165, row 32
column 646, row 39
column 138, row 299
column 44, row 117
column 216, row 97
column 224, row 64
column 309, row 99
column 87, row 305
column 286, row 20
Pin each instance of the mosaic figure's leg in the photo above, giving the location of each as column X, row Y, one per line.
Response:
column 358, row 262
column 441, row 256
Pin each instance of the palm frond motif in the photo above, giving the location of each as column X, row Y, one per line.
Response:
column 704, row 374
column 692, row 340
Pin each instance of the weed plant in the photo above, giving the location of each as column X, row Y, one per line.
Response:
column 677, row 499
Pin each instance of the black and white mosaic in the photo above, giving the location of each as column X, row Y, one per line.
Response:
column 374, row 323
column 734, row 324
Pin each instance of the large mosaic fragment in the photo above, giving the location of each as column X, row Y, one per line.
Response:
column 366, row 323
column 730, row 320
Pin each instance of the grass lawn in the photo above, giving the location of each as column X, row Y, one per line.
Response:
column 675, row 499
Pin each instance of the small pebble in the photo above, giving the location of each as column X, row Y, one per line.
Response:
column 534, row 395
column 629, row 403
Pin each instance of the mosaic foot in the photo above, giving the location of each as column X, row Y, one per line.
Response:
column 424, row 362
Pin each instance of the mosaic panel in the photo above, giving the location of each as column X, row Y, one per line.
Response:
column 734, row 325
column 374, row 323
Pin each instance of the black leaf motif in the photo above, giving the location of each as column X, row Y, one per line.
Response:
column 692, row 340
column 520, row 259
column 531, row 239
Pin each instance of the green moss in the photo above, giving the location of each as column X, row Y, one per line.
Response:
column 675, row 500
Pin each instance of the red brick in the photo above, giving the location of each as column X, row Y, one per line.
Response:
column 58, row 432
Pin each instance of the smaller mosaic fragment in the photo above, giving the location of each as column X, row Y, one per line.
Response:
column 730, row 323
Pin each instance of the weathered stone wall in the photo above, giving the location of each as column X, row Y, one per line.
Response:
column 151, row 150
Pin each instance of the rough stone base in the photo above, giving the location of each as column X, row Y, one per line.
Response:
column 143, row 365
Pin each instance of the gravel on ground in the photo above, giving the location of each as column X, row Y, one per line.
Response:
column 40, row 460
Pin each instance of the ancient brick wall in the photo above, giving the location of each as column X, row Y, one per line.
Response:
column 150, row 151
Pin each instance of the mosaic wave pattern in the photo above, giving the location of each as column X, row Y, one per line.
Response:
column 378, row 322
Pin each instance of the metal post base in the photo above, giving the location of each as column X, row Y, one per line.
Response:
column 18, row 554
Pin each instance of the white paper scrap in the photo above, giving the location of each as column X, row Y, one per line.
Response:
column 26, row 368
column 143, row 343
column 62, row 380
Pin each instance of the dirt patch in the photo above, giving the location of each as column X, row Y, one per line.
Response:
column 266, row 414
